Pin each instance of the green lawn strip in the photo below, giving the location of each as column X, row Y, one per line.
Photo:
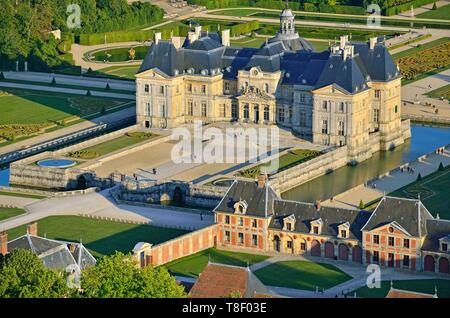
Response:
column 99, row 236
column 120, row 72
column 80, row 87
column 426, row 286
column 442, row 92
column 319, row 46
column 288, row 160
column 425, row 75
column 22, row 195
column 442, row 13
column 193, row 265
column 6, row 213
column 418, row 39
column 303, row 275
column 434, row 190
column 109, row 146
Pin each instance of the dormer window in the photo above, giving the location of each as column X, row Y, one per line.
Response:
column 444, row 243
column 240, row 207
column 343, row 230
column 289, row 223
column 316, row 226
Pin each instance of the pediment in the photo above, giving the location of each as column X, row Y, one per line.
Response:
column 153, row 73
column 252, row 94
column 332, row 89
column 392, row 228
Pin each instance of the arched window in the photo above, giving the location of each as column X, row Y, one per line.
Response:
column 266, row 87
column 246, row 112
column 266, row 113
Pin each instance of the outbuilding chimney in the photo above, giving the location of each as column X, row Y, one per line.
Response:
column 343, row 41
column 318, row 205
column 198, row 31
column 226, row 37
column 32, row 229
column 262, row 179
column 3, row 243
column 158, row 37
column 372, row 43
column 192, row 36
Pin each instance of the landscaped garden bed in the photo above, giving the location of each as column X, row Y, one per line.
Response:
column 107, row 147
column 304, row 275
column 99, row 236
column 193, row 265
column 286, row 161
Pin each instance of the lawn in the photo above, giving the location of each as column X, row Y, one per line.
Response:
column 286, row 161
column 124, row 72
column 112, row 145
column 6, row 213
column 99, row 236
column 443, row 92
column 304, row 275
column 193, row 265
column 121, row 54
column 442, row 13
column 419, row 285
column 434, row 191
column 22, row 195
column 248, row 42
column 28, row 113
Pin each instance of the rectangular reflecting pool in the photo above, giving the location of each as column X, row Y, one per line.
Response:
column 423, row 140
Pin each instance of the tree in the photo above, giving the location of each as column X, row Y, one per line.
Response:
column 434, row 6
column 441, row 167
column 23, row 275
column 419, row 177
column 54, row 81
column 108, row 87
column 118, row 276
column 2, row 76
column 89, row 93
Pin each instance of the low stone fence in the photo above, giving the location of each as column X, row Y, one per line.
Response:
column 179, row 247
column 309, row 170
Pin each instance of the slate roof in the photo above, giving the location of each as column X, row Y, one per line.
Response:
column 260, row 200
column 436, row 229
column 410, row 214
column 54, row 254
column 331, row 217
column 288, row 53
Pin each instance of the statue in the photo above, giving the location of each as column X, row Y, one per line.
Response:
column 132, row 54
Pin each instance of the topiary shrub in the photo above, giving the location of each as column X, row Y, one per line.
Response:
column 54, row 81
column 361, row 204
column 419, row 177
column 441, row 167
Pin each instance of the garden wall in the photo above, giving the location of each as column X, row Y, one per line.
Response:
column 177, row 248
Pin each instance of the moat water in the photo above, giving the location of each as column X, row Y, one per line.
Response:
column 423, row 140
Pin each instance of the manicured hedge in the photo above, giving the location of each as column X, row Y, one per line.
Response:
column 405, row 7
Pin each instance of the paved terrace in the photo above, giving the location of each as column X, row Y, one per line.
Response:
column 391, row 182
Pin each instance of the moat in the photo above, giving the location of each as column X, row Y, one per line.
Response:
column 423, row 140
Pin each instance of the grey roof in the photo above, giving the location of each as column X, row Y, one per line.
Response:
column 410, row 214
column 260, row 200
column 331, row 217
column 54, row 254
column 436, row 229
column 288, row 53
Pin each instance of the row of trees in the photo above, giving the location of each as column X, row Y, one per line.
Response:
column 23, row 275
column 25, row 26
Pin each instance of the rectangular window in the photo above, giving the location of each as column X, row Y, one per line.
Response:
column 148, row 108
column 203, row 89
column 343, row 233
column 255, row 240
column 241, row 238
column 444, row 247
column 324, row 126
column 376, row 239
column 162, row 110
column 161, row 90
column 190, row 108
column 341, row 107
column 288, row 226
column 376, row 256
column 324, row 105
column 234, row 111
column 227, row 236
column 289, row 244
column 254, row 223
column 204, row 111
column 241, row 221
column 302, row 98
column 222, row 110
column 376, row 115
column 406, row 243
column 341, row 128
column 189, row 88
column 281, row 115
column 396, row 109
column 146, row 88
column 227, row 219
column 303, row 246
column 302, row 119
column 227, row 87
column 391, row 241
column 316, row 230
column 377, row 93
column 406, row 260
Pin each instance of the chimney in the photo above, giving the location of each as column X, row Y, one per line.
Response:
column 226, row 37
column 372, row 43
column 3, row 243
column 198, row 31
column 318, row 205
column 348, row 51
column 262, row 179
column 343, row 41
column 158, row 37
column 192, row 36
column 32, row 229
